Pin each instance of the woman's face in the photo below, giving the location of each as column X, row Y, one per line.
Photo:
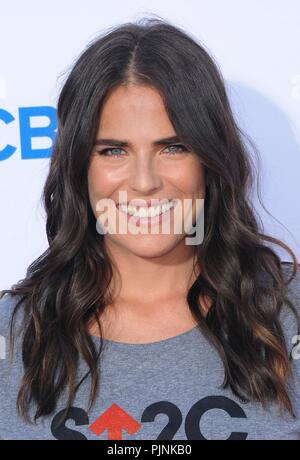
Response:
column 135, row 114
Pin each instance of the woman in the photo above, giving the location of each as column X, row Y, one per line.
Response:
column 145, row 323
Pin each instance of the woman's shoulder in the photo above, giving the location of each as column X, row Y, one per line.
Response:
column 7, row 305
column 287, row 317
column 287, row 268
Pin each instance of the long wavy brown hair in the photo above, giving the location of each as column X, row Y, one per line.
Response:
column 68, row 285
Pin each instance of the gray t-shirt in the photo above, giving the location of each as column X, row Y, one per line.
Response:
column 169, row 389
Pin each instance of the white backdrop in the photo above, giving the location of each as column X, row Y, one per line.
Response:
column 255, row 42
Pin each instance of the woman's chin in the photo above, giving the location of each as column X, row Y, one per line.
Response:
column 148, row 245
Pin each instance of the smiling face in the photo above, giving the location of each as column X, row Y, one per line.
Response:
column 142, row 168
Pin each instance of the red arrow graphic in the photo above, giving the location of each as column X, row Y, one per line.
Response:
column 114, row 420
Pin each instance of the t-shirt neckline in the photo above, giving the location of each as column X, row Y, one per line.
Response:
column 169, row 340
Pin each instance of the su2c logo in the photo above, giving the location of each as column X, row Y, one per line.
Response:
column 28, row 132
column 115, row 419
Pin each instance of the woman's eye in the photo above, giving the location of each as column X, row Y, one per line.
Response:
column 115, row 151
column 178, row 146
column 105, row 151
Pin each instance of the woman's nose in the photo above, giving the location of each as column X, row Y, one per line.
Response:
column 144, row 176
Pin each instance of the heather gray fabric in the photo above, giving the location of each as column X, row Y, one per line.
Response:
column 163, row 390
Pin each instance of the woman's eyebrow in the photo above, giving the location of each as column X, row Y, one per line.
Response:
column 121, row 143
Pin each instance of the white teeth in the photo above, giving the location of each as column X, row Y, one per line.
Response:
column 151, row 211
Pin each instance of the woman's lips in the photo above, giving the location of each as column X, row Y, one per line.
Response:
column 136, row 220
column 147, row 203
